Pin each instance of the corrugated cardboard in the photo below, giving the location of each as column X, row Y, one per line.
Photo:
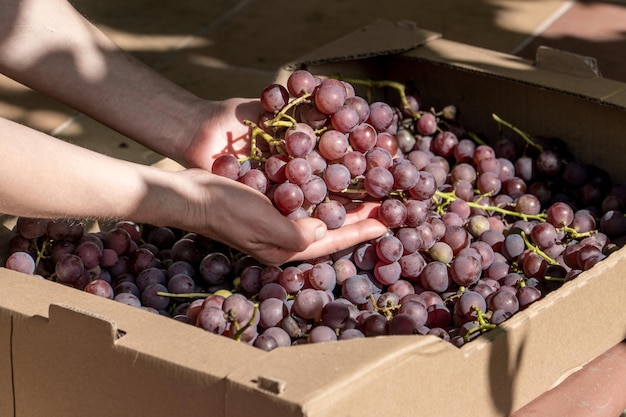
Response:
column 67, row 353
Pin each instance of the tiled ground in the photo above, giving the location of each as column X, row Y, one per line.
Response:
column 230, row 48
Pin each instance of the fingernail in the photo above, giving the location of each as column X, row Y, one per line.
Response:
column 320, row 232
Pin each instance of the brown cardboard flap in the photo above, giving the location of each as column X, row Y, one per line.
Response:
column 381, row 37
column 500, row 65
column 90, row 326
column 567, row 62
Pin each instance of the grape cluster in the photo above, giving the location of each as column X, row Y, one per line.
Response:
column 477, row 230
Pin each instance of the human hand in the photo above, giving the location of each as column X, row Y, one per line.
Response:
column 242, row 218
column 221, row 130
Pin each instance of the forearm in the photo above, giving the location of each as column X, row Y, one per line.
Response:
column 47, row 177
column 50, row 47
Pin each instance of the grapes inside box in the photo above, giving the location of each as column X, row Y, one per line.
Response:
column 505, row 216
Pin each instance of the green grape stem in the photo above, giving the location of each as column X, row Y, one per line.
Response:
column 255, row 153
column 575, row 234
column 482, row 326
column 41, row 252
column 458, row 294
column 278, row 120
column 387, row 311
column 520, row 132
column 556, row 279
column 476, row 138
column 535, row 249
column 449, row 197
column 240, row 330
column 185, row 295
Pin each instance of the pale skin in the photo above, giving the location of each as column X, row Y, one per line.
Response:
column 52, row 48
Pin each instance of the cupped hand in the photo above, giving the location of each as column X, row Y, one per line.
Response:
column 244, row 219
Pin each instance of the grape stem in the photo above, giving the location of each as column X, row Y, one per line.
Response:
column 282, row 114
column 535, row 249
column 255, row 153
column 185, row 295
column 551, row 278
column 458, row 294
column 483, row 324
column 476, row 138
column 387, row 311
column 520, row 132
column 41, row 252
column 449, row 197
column 240, row 330
column 575, row 234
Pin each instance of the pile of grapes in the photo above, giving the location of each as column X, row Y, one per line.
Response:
column 477, row 230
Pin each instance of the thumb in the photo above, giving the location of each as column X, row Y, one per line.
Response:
column 312, row 230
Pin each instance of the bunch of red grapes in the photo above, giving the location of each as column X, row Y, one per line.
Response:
column 477, row 231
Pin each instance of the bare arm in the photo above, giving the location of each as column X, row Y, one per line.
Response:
column 50, row 47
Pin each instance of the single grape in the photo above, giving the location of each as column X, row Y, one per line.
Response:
column 239, row 309
column 378, row 182
column 331, row 212
column 21, row 262
column 355, row 162
column 298, row 171
column 300, row 82
column 387, row 141
column 69, row 269
column 150, row 297
column 100, row 288
column 465, row 270
column 425, row 187
column 256, row 178
column 271, row 312
column 322, row 276
column 288, row 197
column 426, row 124
column 181, row 284
column 392, row 213
column 345, row 119
column 300, row 140
column 363, row 137
column 314, row 190
column 308, row 304
column 357, row 289
column 212, row 319
column 31, row 228
column 226, row 165
column 381, row 116
column 330, row 96
column 405, row 175
column 322, row 334
column 333, row 145
column 444, row 143
column 274, row 97
column 337, row 177
column 275, row 168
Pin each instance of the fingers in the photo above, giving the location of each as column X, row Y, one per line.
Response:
column 309, row 237
column 366, row 210
column 342, row 238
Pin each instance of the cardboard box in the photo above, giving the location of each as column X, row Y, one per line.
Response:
column 67, row 353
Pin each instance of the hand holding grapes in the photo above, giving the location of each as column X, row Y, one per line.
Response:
column 245, row 219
